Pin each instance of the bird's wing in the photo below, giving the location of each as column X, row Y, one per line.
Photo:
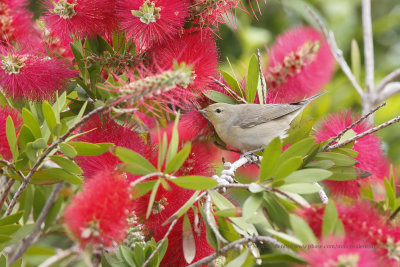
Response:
column 254, row 114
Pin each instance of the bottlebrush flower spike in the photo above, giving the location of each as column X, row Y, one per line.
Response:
column 197, row 49
column 16, row 24
column 300, row 64
column 30, row 77
column 333, row 252
column 5, row 151
column 98, row 215
column 211, row 12
column 150, row 22
column 81, row 18
column 105, row 130
column 369, row 156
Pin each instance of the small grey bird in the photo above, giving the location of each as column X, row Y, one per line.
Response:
column 251, row 127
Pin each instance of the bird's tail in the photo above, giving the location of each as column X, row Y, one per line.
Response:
column 308, row 100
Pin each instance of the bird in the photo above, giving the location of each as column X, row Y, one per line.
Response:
column 251, row 127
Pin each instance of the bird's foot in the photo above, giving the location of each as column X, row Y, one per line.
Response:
column 251, row 157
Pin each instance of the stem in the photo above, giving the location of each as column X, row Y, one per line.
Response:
column 394, row 214
column 262, row 78
column 207, row 209
column 145, row 177
column 61, row 254
column 394, row 75
column 368, row 46
column 27, row 241
column 6, row 191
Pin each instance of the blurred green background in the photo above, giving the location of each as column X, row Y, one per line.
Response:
column 341, row 16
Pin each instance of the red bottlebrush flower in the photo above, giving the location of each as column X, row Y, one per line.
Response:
column 107, row 131
column 82, row 18
column 27, row 76
column 150, row 22
column 361, row 221
column 16, row 24
column 348, row 252
column 167, row 202
column 300, row 64
column 197, row 49
column 98, row 215
column 210, row 13
column 369, row 154
column 53, row 45
column 5, row 151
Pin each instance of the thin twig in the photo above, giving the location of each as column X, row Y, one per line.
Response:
column 27, row 241
column 336, row 52
column 160, row 243
column 394, row 214
column 12, row 166
column 207, row 210
column 53, row 146
column 262, row 78
column 361, row 135
column 394, row 75
column 267, row 239
column 61, row 254
column 6, row 191
column 339, row 135
column 368, row 46
column 389, row 90
column 233, row 93
column 145, row 177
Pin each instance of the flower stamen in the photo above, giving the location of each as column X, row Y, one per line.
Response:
column 64, row 9
column 148, row 12
column 12, row 64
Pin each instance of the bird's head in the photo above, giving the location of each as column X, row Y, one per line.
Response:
column 217, row 113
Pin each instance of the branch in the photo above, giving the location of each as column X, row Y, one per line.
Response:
column 262, row 78
column 394, row 214
column 207, row 210
column 267, row 239
column 389, row 90
column 49, row 149
column 160, row 243
column 339, row 135
column 336, row 52
column 368, row 46
column 361, row 135
column 12, row 166
column 145, row 177
column 6, row 191
column 27, row 241
column 61, row 254
column 394, row 75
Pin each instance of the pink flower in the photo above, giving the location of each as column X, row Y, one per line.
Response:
column 16, row 24
column 338, row 252
column 150, row 22
column 82, row 18
column 98, row 215
column 369, row 156
column 300, row 64
column 31, row 77
column 211, row 14
column 5, row 151
column 105, row 130
column 197, row 49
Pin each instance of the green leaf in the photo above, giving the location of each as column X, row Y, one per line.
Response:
column 255, row 188
column 77, row 50
column 39, row 199
column 232, row 83
column 12, row 137
column 179, row 159
column 137, row 164
column 343, row 174
column 68, row 150
column 251, row 205
column 252, row 79
column 238, row 261
column 3, row 261
column 152, row 197
column 346, row 151
column 127, row 255
column 188, row 242
column 338, row 159
column 307, row 176
column 276, row 211
column 162, row 151
column 89, row 149
column 9, row 229
column 12, row 218
column 5, row 238
column 142, row 189
column 330, row 219
column 62, row 175
column 25, row 136
column 54, row 212
column 174, row 142
column 320, row 164
column 49, row 115
column 281, row 258
column 300, row 148
column 194, row 182
column 232, row 212
column 302, row 230
column 67, row 164
column 220, row 201
column 300, row 188
column 182, row 210
column 219, row 97
column 287, row 167
column 355, row 60
column 390, row 195
column 31, row 122
column 270, row 158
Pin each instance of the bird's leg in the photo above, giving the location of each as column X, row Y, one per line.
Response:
column 251, row 156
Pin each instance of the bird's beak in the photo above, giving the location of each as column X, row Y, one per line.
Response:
column 203, row 112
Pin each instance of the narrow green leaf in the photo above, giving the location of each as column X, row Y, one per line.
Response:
column 232, row 83
column 135, row 160
column 77, row 50
column 300, row 188
column 276, row 211
column 232, row 212
column 307, row 176
column 238, row 261
column 390, row 195
column 251, row 205
column 12, row 218
column 270, row 158
column 321, row 164
column 39, row 199
column 62, row 175
column 5, row 238
column 54, row 212
column 174, row 142
column 12, row 137
column 287, row 167
column 281, row 258
column 302, row 230
column 31, row 122
column 179, row 159
column 220, row 201
column 89, row 149
column 300, row 148
column 127, row 255
column 252, row 79
column 338, row 159
column 9, row 229
column 3, row 259
column 49, row 115
column 25, row 136
column 343, row 173
column 330, row 219
column 142, row 189
column 194, row 182
column 162, row 151
column 255, row 188
column 67, row 164
column 182, row 210
column 152, row 197
column 219, row 97
column 68, row 150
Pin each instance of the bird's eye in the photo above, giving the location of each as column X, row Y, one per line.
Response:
column 218, row 110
